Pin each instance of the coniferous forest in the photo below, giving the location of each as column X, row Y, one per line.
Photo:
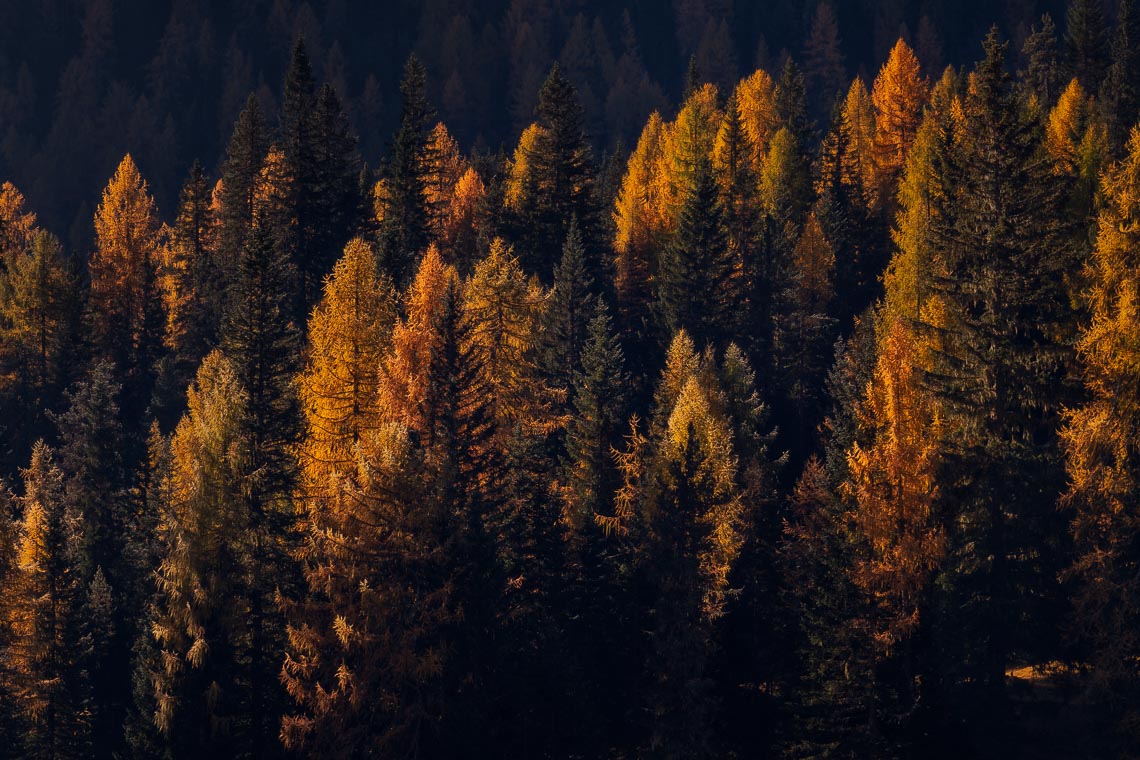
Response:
column 570, row 379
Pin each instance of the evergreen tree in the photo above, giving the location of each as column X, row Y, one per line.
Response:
column 694, row 289
column 404, row 226
column 91, row 457
column 1085, row 42
column 1042, row 73
column 568, row 312
column 1120, row 90
column 191, row 284
column 262, row 345
column 998, row 377
column 804, row 332
column 244, row 156
column 563, row 175
column 39, row 314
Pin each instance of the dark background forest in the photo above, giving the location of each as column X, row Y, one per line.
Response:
column 569, row 379
column 84, row 82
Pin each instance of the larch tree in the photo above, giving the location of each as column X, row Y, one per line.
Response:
column 39, row 320
column 202, row 675
column 639, row 228
column 125, row 300
column 899, row 94
column 689, row 538
column 348, row 333
column 1099, row 437
column 894, row 490
column 18, row 225
column 52, row 649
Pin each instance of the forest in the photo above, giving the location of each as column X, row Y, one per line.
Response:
column 789, row 408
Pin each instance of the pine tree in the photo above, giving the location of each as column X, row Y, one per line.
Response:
column 694, row 289
column 335, row 200
column 91, row 455
column 823, row 58
column 191, row 283
column 599, row 398
column 262, row 345
column 297, row 131
column 804, row 332
column 739, row 199
column 50, row 657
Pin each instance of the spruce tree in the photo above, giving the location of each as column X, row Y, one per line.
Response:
column 244, row 156
column 1042, row 73
column 563, row 174
column 404, row 227
column 1086, row 43
column 262, row 344
column 999, row 379
column 694, row 289
column 1120, row 90
column 568, row 313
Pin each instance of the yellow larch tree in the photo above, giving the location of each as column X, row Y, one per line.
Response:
column 1101, row 435
column 893, row 488
column 349, row 331
column 125, row 298
column 17, row 225
column 403, row 372
column 639, row 223
column 756, row 96
column 899, row 94
column 505, row 310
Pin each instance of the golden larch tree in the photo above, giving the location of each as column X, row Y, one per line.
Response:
column 899, row 94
